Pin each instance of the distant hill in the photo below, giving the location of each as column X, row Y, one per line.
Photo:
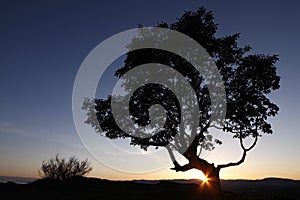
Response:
column 268, row 188
column 94, row 188
column 16, row 179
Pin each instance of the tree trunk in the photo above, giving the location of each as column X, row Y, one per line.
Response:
column 214, row 178
column 211, row 189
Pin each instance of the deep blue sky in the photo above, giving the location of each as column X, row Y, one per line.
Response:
column 43, row 43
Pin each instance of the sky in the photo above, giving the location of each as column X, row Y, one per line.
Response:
column 43, row 44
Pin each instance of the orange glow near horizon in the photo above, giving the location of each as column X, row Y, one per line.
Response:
column 204, row 179
column 201, row 176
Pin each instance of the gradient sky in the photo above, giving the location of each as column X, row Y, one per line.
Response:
column 43, row 43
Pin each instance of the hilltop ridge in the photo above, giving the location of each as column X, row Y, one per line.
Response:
column 96, row 188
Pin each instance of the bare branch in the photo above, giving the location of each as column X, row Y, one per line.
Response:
column 251, row 147
column 171, row 153
column 200, row 151
column 235, row 163
column 192, row 150
column 245, row 150
column 183, row 168
column 177, row 167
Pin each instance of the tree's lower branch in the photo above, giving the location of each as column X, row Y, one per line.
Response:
column 192, row 150
column 180, row 168
column 245, row 150
column 194, row 162
column 177, row 167
column 234, row 163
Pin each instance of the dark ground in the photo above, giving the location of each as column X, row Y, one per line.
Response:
column 92, row 188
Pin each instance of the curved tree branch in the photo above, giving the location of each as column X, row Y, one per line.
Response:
column 245, row 150
column 251, row 147
column 194, row 162
column 235, row 163
column 177, row 166
column 192, row 150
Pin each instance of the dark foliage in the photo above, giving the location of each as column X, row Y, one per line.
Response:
column 248, row 80
column 59, row 169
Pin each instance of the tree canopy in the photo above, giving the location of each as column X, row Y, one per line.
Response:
column 248, row 80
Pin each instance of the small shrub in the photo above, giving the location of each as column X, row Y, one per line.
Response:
column 61, row 169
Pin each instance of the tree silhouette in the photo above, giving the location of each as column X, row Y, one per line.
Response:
column 247, row 78
column 62, row 169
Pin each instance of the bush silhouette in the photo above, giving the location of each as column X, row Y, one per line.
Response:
column 60, row 169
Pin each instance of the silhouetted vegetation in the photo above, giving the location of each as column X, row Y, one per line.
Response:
column 248, row 80
column 61, row 169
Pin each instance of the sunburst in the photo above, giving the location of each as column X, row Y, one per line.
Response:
column 202, row 177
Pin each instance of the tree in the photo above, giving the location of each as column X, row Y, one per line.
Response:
column 62, row 169
column 247, row 78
